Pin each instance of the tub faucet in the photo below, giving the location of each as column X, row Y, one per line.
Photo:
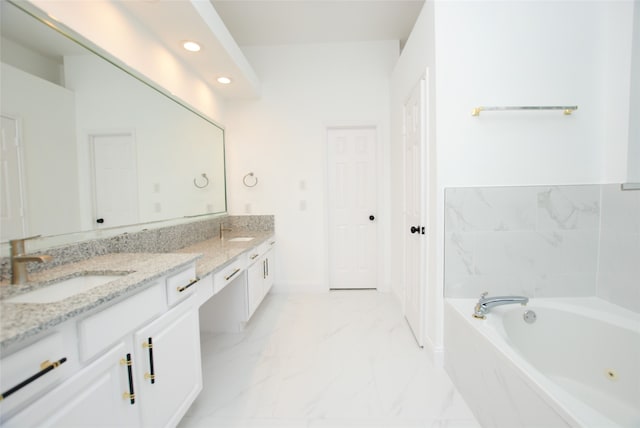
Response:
column 19, row 260
column 485, row 303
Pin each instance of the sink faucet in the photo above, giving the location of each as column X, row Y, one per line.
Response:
column 485, row 303
column 19, row 260
column 222, row 230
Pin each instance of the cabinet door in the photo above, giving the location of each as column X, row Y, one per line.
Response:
column 91, row 398
column 270, row 266
column 255, row 288
column 169, row 375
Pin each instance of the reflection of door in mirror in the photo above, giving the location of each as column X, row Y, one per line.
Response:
column 12, row 221
column 115, row 179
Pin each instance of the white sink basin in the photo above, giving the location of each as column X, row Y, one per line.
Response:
column 241, row 239
column 63, row 289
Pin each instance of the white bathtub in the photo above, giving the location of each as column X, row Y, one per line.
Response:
column 577, row 365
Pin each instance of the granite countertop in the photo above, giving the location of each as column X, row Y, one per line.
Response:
column 217, row 253
column 19, row 321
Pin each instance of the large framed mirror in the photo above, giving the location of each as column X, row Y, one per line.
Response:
column 90, row 146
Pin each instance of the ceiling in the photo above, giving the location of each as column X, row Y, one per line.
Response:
column 267, row 22
column 237, row 23
column 270, row 22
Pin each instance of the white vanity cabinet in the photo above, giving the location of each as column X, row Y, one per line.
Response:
column 167, row 366
column 141, row 366
column 259, row 275
column 92, row 397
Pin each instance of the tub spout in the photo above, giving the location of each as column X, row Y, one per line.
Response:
column 485, row 303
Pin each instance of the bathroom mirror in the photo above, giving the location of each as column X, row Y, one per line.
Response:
column 97, row 148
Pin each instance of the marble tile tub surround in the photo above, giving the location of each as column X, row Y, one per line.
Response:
column 537, row 241
column 544, row 241
column 619, row 264
column 159, row 240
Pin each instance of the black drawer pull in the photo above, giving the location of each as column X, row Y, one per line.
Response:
column 45, row 368
column 181, row 289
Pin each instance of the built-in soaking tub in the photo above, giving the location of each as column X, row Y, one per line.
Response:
column 577, row 364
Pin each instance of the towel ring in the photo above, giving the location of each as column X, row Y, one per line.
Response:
column 206, row 181
column 250, row 180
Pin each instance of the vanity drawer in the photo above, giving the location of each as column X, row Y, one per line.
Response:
column 181, row 284
column 229, row 273
column 31, row 370
column 253, row 255
column 108, row 326
column 266, row 246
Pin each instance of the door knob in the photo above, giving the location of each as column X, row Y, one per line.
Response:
column 415, row 229
column 100, row 220
column 371, row 217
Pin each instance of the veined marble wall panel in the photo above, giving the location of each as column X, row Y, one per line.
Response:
column 538, row 241
column 619, row 268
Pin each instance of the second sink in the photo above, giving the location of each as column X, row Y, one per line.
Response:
column 63, row 289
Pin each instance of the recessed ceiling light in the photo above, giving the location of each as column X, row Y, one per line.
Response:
column 191, row 46
column 224, row 80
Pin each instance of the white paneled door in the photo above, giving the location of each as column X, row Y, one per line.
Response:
column 352, row 200
column 115, row 179
column 12, row 212
column 415, row 164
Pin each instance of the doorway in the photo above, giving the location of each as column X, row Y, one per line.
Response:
column 352, row 207
column 415, row 208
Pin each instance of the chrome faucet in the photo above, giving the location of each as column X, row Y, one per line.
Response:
column 222, row 230
column 485, row 303
column 19, row 260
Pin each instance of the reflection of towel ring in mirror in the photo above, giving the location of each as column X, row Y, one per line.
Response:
column 206, row 181
column 250, row 180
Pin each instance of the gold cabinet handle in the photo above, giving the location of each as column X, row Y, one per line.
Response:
column 181, row 289
column 227, row 278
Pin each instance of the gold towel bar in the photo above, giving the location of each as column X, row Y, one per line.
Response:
column 566, row 109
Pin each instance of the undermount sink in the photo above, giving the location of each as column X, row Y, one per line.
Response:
column 63, row 289
column 241, row 239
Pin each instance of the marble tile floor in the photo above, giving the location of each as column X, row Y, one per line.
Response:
column 336, row 359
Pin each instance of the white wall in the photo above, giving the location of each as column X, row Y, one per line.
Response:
column 523, row 53
column 531, row 53
column 281, row 138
